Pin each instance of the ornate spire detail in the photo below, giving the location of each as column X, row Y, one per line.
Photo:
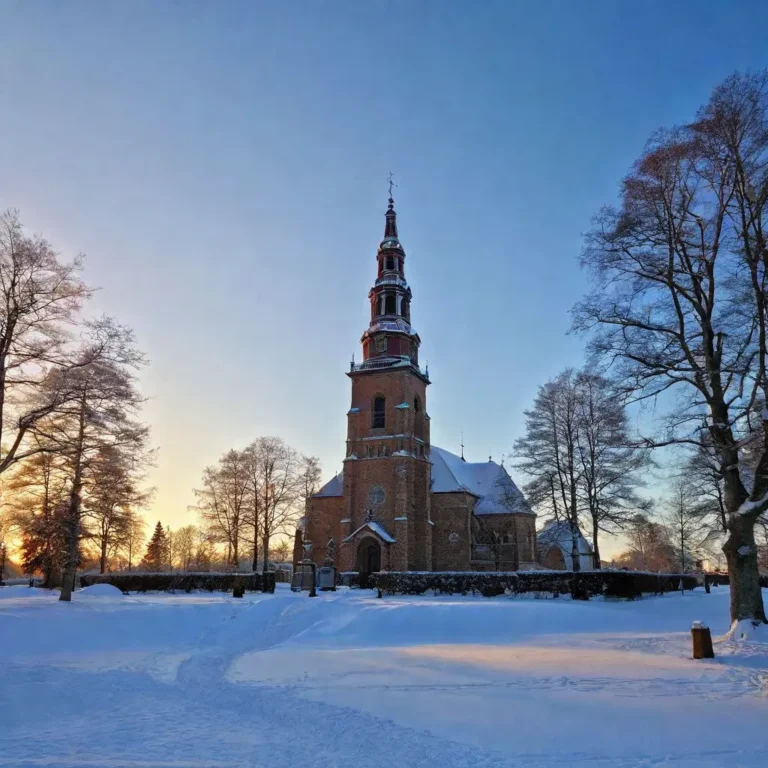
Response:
column 390, row 227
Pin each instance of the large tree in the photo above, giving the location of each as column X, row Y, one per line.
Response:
column 679, row 301
column 113, row 493
column 223, row 502
column 282, row 483
column 548, row 453
column 98, row 412
column 578, row 453
column 610, row 462
column 40, row 298
column 35, row 495
column 157, row 550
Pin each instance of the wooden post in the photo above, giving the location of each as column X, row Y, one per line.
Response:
column 702, row 641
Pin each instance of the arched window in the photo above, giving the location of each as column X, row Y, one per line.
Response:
column 416, row 404
column 390, row 263
column 407, row 310
column 379, row 420
column 390, row 304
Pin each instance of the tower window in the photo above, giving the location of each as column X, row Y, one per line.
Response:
column 390, row 304
column 416, row 404
column 390, row 263
column 379, row 420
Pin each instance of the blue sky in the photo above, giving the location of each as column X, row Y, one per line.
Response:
column 223, row 166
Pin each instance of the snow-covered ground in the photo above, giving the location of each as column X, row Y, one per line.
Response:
column 348, row 680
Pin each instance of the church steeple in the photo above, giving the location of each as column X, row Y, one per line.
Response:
column 390, row 228
column 390, row 339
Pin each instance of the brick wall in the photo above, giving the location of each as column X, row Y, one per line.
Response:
column 323, row 522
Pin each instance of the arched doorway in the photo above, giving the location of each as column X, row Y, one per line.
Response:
column 368, row 560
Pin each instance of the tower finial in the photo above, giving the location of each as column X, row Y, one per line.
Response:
column 462, row 445
column 390, row 228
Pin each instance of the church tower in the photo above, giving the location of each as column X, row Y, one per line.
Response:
column 386, row 523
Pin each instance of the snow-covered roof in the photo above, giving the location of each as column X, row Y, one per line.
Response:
column 334, row 487
column 559, row 533
column 376, row 528
column 489, row 481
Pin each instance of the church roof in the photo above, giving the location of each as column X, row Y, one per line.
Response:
column 334, row 487
column 559, row 533
column 487, row 480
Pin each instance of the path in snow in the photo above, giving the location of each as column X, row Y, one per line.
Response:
column 347, row 680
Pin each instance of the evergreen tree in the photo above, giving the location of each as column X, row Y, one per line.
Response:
column 156, row 550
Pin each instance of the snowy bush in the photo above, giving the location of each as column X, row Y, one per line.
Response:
column 581, row 585
column 187, row 582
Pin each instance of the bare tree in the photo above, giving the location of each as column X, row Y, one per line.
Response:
column 254, row 498
column 113, row 491
column 40, row 298
column 98, row 413
column 185, row 539
column 649, row 547
column 548, row 453
column 281, row 485
column 222, row 501
column 281, row 553
column 610, row 463
column 680, row 299
column 684, row 520
column 132, row 538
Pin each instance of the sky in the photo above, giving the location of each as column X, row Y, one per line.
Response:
column 223, row 167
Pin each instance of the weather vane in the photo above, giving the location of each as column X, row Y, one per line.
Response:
column 391, row 183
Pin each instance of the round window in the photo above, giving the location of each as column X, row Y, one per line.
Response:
column 376, row 495
column 453, row 538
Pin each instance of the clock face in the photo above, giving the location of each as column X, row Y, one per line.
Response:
column 381, row 343
column 376, row 495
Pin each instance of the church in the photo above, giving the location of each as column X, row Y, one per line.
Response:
column 401, row 503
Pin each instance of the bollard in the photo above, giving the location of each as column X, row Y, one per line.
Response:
column 702, row 641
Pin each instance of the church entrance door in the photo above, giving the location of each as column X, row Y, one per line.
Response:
column 368, row 561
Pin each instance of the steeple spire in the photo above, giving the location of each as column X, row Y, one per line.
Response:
column 390, row 340
column 390, row 228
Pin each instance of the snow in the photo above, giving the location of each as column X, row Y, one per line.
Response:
column 747, row 631
column 351, row 681
column 487, row 480
column 748, row 506
column 22, row 591
column 375, row 528
column 100, row 590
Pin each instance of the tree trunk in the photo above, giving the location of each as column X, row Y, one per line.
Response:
column 70, row 569
column 255, row 545
column 595, row 548
column 575, row 557
column 741, row 554
column 265, row 547
column 103, row 557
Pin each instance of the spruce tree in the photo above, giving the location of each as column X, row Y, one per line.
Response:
column 156, row 549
